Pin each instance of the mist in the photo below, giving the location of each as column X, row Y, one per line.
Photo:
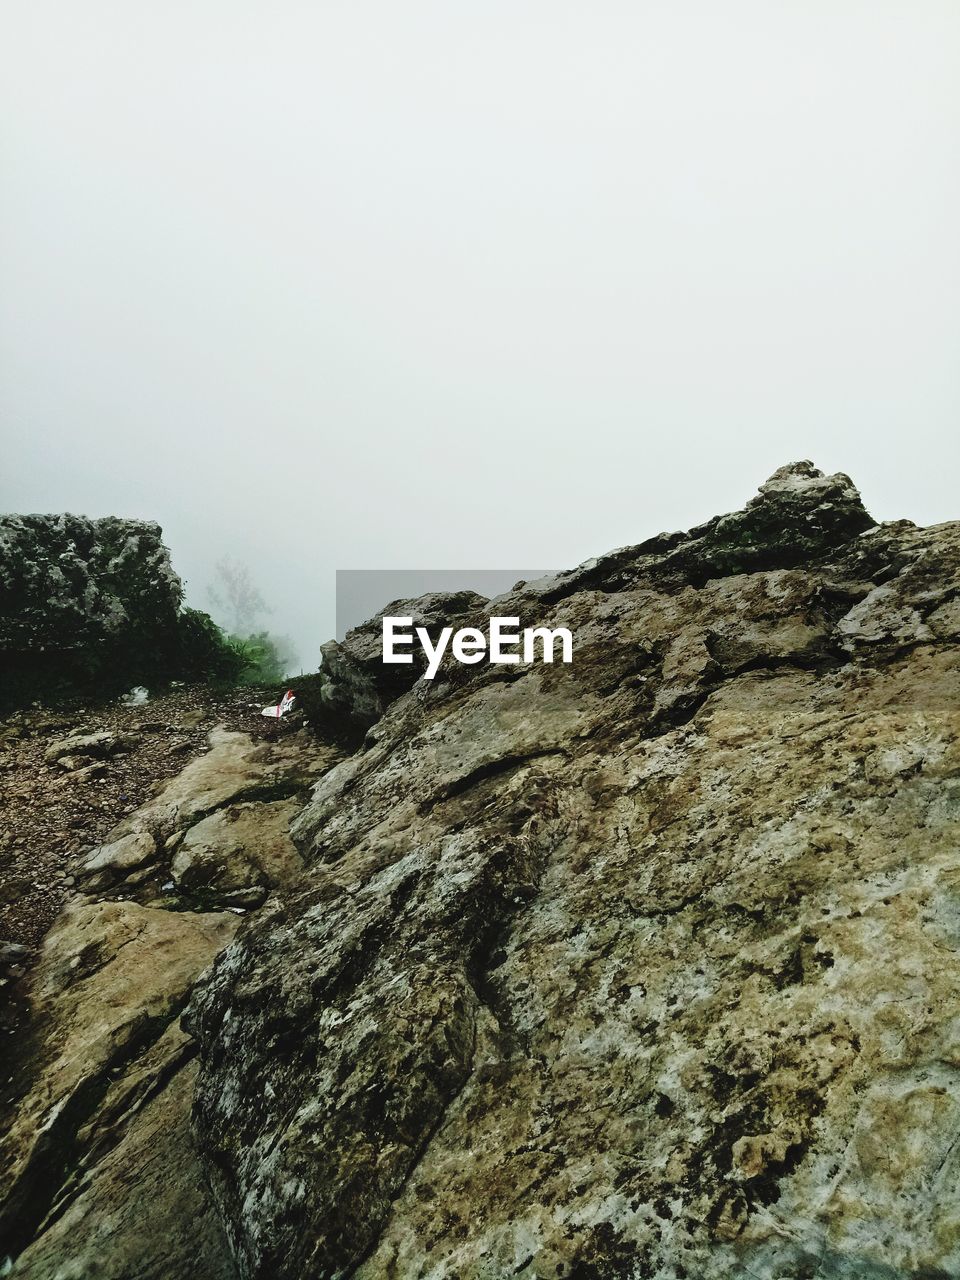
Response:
column 431, row 286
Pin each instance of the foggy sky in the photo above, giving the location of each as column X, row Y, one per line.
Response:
column 412, row 285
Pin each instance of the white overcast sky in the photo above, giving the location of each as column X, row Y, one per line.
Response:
column 406, row 284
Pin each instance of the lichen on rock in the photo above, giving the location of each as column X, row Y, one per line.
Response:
column 643, row 967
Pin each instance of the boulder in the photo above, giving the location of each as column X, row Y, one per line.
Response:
column 354, row 686
column 110, row 863
column 643, row 966
column 83, row 600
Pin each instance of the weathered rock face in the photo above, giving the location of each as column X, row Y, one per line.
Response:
column 236, row 855
column 77, row 595
column 111, row 982
column 98, row 1173
column 642, row 967
column 354, row 686
column 68, row 582
column 218, row 831
column 145, row 1212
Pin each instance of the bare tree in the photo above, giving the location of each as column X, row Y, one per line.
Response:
column 235, row 595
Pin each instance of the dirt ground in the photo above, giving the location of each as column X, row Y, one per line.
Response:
column 50, row 817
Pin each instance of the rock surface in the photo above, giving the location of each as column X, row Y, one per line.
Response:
column 81, row 598
column 354, row 686
column 50, row 817
column 117, row 860
column 640, row 968
column 98, row 1174
column 146, row 1212
column 644, row 967
column 239, row 853
column 111, row 981
column 197, row 830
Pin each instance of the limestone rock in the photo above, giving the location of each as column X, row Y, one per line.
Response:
column 799, row 516
column 145, row 1212
column 236, row 767
column 236, row 855
column 80, row 598
column 99, row 1174
column 70, row 764
column 97, row 745
column 192, row 719
column 65, row 579
column 13, row 960
column 114, row 861
column 353, row 685
column 644, row 967
column 111, row 980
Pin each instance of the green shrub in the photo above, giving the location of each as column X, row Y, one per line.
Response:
column 267, row 659
column 205, row 653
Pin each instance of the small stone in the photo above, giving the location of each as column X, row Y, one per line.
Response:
column 71, row 763
column 100, row 744
column 87, row 774
column 115, row 861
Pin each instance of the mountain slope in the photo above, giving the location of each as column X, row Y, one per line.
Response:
column 642, row 967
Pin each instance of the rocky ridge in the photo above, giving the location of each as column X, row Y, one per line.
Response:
column 643, row 967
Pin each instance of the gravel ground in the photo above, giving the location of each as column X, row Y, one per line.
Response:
column 49, row 819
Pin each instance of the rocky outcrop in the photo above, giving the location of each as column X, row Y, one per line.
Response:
column 641, row 967
column 354, row 685
column 91, row 607
column 67, row 582
column 98, row 1172
column 58, row 807
column 145, row 1212
column 111, row 982
column 218, row 830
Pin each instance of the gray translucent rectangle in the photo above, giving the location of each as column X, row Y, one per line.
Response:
column 364, row 593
